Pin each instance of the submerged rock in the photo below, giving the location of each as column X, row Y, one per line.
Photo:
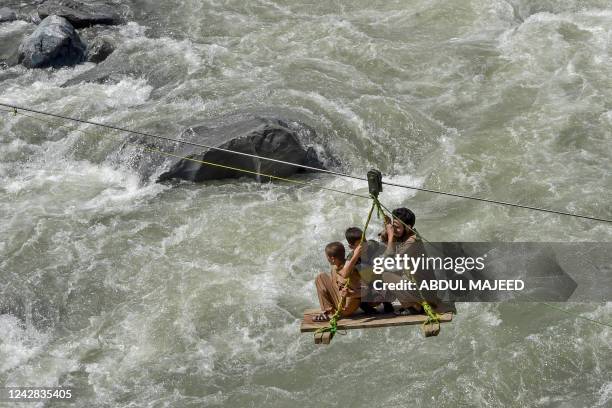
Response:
column 7, row 14
column 54, row 43
column 261, row 136
column 99, row 49
column 109, row 71
column 82, row 14
column 119, row 66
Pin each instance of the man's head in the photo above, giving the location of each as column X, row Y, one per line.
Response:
column 402, row 216
column 335, row 253
column 353, row 236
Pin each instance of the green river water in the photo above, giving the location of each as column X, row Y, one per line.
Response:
column 137, row 294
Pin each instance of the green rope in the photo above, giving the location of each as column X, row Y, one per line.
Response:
column 432, row 316
column 375, row 204
column 333, row 321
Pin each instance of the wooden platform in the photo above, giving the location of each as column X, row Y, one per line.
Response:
column 362, row 321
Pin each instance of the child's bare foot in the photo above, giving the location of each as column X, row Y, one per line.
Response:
column 322, row 317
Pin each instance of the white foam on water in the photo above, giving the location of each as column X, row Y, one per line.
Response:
column 133, row 30
column 605, row 395
column 88, row 97
column 14, row 146
column 491, row 319
column 12, row 26
column 18, row 344
column 398, row 196
column 335, row 106
column 127, row 92
column 25, row 354
column 122, row 189
column 114, row 186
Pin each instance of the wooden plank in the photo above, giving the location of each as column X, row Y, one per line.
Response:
column 362, row 321
column 323, row 338
column 430, row 329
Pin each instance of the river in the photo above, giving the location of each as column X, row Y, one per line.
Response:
column 139, row 294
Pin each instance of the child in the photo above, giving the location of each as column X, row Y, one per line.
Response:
column 371, row 250
column 331, row 288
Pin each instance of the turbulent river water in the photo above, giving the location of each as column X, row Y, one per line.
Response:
column 140, row 294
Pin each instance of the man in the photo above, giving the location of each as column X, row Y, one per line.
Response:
column 371, row 250
column 399, row 237
column 402, row 239
column 342, row 283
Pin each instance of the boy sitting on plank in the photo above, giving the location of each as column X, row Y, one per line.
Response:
column 371, row 249
column 332, row 288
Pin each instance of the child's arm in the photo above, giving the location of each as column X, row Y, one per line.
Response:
column 348, row 267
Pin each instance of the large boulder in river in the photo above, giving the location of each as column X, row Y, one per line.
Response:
column 262, row 136
column 54, row 43
column 82, row 14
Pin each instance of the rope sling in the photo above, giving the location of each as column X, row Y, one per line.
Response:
column 433, row 318
column 375, row 187
column 333, row 321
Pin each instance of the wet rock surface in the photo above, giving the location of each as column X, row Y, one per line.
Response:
column 82, row 14
column 54, row 43
column 262, row 136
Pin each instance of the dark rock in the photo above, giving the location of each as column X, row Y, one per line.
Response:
column 261, row 136
column 313, row 160
column 54, row 43
column 99, row 49
column 82, row 14
column 7, row 14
